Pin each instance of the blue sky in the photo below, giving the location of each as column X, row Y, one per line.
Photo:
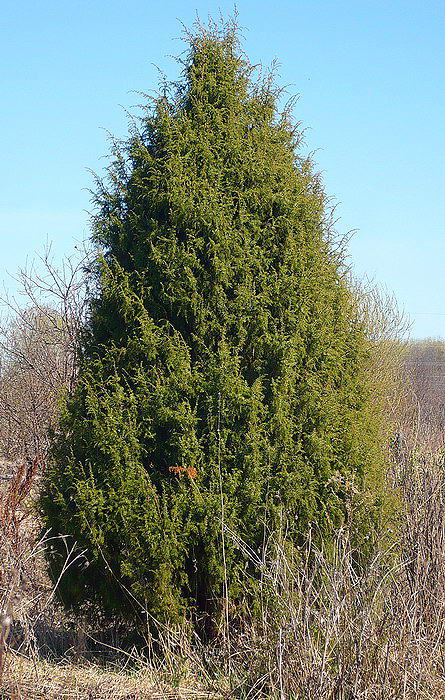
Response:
column 370, row 76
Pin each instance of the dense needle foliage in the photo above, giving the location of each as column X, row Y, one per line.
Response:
column 222, row 387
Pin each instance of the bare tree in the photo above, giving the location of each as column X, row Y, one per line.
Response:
column 386, row 327
column 39, row 346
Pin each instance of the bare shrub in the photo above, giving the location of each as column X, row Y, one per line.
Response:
column 39, row 344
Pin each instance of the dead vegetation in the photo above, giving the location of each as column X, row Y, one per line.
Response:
column 48, row 681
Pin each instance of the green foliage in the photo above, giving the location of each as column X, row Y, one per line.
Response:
column 222, row 387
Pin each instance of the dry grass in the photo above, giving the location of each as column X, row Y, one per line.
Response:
column 330, row 629
column 26, row 680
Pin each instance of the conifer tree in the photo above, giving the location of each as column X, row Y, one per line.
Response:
column 222, row 388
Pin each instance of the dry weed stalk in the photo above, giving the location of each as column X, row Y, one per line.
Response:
column 15, row 542
column 5, row 626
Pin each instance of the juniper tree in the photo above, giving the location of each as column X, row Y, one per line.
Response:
column 222, row 388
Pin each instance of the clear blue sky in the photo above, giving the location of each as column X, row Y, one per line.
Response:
column 370, row 76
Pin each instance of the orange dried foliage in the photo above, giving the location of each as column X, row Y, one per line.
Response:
column 190, row 472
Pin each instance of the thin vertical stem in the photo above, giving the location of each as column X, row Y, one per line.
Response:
column 226, row 587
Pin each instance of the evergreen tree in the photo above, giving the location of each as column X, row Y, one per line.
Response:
column 222, row 386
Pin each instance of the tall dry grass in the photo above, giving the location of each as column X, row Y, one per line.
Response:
column 334, row 630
